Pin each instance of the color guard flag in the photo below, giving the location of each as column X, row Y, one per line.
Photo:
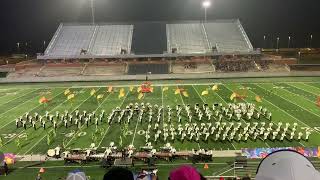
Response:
column 177, row 91
column 71, row 96
column 140, row 96
column 215, row 87
column 165, row 89
column 93, row 92
column 205, row 92
column 66, row 92
column 258, row 99
column 121, row 94
column 185, row 94
column 110, row 89
column 233, row 95
column 139, row 89
column 100, row 96
column 43, row 100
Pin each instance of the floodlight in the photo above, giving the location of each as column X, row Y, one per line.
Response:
column 206, row 4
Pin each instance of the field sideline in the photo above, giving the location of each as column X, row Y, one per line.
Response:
column 289, row 101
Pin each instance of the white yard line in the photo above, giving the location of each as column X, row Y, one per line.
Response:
column 277, row 107
column 302, row 144
column 184, row 106
column 84, row 124
column 308, row 84
column 29, row 110
column 17, row 92
column 313, row 102
column 241, row 118
column 16, row 106
column 291, row 101
column 109, row 125
column 57, row 125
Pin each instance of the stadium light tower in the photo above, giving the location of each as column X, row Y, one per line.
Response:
column 278, row 43
column 206, row 4
column 311, row 40
column 92, row 12
column 289, row 39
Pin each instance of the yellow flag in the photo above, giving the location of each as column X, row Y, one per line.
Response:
column 71, row 96
column 258, row 99
column 131, row 88
column 177, row 91
column 233, row 95
column 121, row 94
column 215, row 87
column 110, row 89
column 66, row 92
column 140, row 95
column 165, row 89
column 100, row 96
column 139, row 89
column 93, row 92
column 185, row 94
column 205, row 92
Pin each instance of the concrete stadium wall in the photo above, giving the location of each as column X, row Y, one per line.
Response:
column 162, row 77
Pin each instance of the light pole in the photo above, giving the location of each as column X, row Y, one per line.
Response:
column 289, row 39
column 18, row 47
column 92, row 12
column 311, row 40
column 278, row 43
column 264, row 41
column 299, row 53
column 44, row 46
column 206, row 4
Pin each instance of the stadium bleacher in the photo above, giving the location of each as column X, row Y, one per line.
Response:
column 186, row 38
column 224, row 36
column 72, row 40
column 228, row 36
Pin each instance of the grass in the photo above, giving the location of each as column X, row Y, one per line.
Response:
column 293, row 102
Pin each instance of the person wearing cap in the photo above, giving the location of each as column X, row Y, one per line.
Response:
column 185, row 173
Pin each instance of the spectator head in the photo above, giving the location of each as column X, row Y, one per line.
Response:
column 118, row 174
column 185, row 173
column 286, row 165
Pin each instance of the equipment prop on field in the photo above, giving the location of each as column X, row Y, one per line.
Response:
column 110, row 88
column 258, row 99
column 145, row 87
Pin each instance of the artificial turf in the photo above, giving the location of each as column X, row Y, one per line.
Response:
column 288, row 100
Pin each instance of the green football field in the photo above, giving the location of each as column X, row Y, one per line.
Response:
column 291, row 100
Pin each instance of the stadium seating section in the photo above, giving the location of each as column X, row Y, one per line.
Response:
column 73, row 40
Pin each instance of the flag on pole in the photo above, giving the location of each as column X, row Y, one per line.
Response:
column 93, row 92
column 139, row 89
column 43, row 100
column 140, row 96
column 121, row 93
column 71, row 96
column 215, row 87
column 258, row 99
column 233, row 95
column 185, row 94
column 110, row 88
column 66, row 92
column 177, row 91
column 165, row 89
column 100, row 96
column 205, row 92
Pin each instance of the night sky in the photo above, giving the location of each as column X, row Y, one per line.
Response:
column 34, row 21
